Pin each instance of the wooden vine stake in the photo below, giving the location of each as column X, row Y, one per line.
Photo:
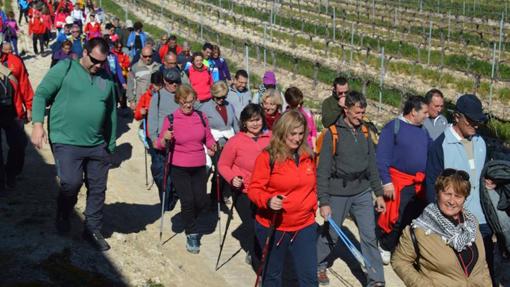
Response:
column 429, row 43
column 492, row 76
column 381, row 80
column 352, row 43
column 247, row 60
column 334, row 24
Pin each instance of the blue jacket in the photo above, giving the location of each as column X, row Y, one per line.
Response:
column 448, row 152
column 131, row 42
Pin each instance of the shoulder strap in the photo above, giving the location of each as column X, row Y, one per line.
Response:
column 171, row 120
column 334, row 138
column 201, row 115
column 416, row 249
column 396, row 128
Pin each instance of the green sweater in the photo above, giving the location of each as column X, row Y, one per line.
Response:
column 331, row 111
column 83, row 106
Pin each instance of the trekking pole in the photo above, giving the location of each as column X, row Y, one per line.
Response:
column 165, row 178
column 363, row 261
column 218, row 195
column 144, row 124
column 265, row 251
column 229, row 219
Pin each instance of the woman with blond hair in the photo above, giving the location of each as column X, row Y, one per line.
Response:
column 186, row 131
column 443, row 246
column 283, row 187
column 272, row 102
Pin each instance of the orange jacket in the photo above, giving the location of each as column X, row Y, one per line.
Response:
column 400, row 180
column 164, row 50
column 298, row 184
column 23, row 89
column 143, row 103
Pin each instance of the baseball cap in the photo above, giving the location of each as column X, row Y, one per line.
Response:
column 269, row 78
column 172, row 75
column 470, row 106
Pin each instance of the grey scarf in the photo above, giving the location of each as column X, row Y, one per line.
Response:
column 456, row 236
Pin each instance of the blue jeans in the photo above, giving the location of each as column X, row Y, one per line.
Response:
column 302, row 246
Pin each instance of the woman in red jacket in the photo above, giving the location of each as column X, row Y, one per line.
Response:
column 36, row 29
column 236, row 165
column 283, row 187
column 200, row 77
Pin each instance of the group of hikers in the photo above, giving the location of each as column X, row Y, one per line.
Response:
column 423, row 193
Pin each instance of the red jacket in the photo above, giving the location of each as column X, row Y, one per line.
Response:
column 36, row 25
column 400, row 180
column 201, row 81
column 163, row 50
column 143, row 103
column 23, row 89
column 239, row 155
column 124, row 61
column 297, row 183
column 93, row 30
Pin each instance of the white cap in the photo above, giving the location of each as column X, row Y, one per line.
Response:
column 69, row 20
column 129, row 24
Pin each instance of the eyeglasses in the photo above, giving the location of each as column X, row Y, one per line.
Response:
column 187, row 102
column 451, row 172
column 75, row 32
column 171, row 63
column 96, row 61
column 147, row 56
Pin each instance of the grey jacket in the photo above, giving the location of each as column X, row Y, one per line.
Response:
column 238, row 100
column 139, row 79
column 216, row 122
column 355, row 154
column 162, row 104
column 435, row 127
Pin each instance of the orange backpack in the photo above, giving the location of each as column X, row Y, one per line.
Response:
column 334, row 134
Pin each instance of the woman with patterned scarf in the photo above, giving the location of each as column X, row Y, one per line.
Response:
column 443, row 246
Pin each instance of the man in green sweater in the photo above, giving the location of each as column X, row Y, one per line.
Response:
column 332, row 106
column 82, row 132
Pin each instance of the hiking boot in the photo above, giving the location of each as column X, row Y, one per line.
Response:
column 192, row 243
column 63, row 225
column 385, row 256
column 96, row 239
column 322, row 276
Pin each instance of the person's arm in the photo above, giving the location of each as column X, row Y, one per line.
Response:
column 257, row 190
column 111, row 121
column 384, row 154
column 435, row 165
column 130, row 95
column 47, row 90
column 227, row 71
column 226, row 162
column 209, row 139
column 324, row 170
column 375, row 181
column 403, row 259
column 142, row 104
column 161, row 137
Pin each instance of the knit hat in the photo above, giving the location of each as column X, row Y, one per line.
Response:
column 172, row 75
column 471, row 107
column 269, row 78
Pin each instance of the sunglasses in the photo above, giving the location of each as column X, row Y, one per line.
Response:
column 96, row 61
column 221, row 98
column 147, row 56
column 451, row 172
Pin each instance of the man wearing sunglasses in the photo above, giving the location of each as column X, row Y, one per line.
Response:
column 140, row 76
column 460, row 147
column 82, row 132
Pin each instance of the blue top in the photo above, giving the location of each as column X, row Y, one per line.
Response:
column 447, row 151
column 406, row 151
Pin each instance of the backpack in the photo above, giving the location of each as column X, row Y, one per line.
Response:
column 6, row 89
column 335, row 136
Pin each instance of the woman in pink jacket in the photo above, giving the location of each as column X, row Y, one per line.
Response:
column 236, row 165
column 200, row 78
column 186, row 131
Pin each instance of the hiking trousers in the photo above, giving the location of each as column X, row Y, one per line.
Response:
column 77, row 165
column 191, row 187
column 301, row 244
column 361, row 207
column 38, row 38
column 16, row 142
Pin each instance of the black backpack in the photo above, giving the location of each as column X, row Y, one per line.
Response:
column 6, row 89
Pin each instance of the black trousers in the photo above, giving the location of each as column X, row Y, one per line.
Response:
column 38, row 38
column 23, row 12
column 246, row 210
column 16, row 142
column 410, row 208
column 77, row 165
column 191, row 187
